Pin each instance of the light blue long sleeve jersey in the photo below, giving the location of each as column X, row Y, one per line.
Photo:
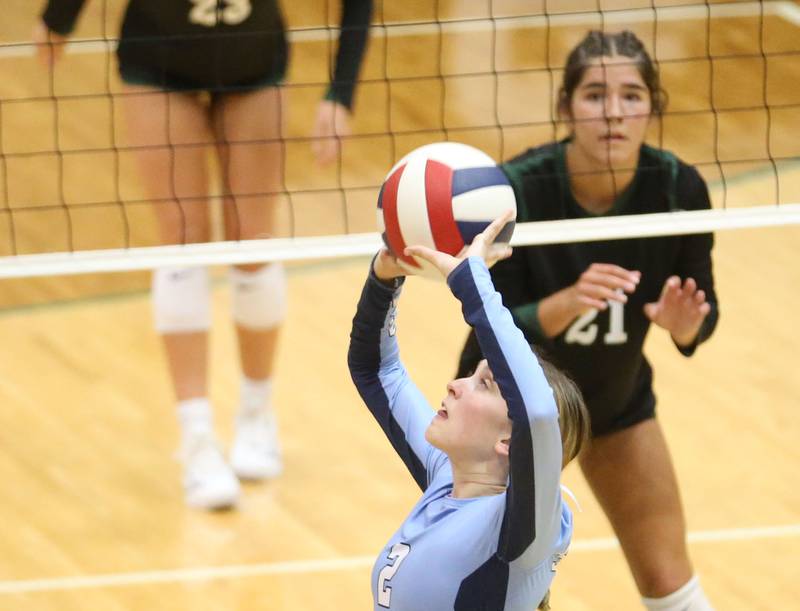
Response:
column 493, row 553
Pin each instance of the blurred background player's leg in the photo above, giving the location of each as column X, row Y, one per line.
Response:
column 173, row 166
column 247, row 128
column 631, row 474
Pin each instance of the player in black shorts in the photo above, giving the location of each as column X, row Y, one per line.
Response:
column 205, row 74
column 590, row 305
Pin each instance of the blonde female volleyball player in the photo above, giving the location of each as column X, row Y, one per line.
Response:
column 199, row 73
column 490, row 526
column 590, row 304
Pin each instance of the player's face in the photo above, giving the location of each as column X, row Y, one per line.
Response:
column 473, row 417
column 609, row 112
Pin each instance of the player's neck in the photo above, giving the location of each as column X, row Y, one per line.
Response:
column 596, row 186
column 473, row 480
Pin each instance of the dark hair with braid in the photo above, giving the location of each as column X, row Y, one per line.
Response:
column 599, row 44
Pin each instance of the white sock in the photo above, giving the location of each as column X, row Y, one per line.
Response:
column 194, row 416
column 255, row 395
column 690, row 597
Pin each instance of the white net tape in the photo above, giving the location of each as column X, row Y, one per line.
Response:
column 325, row 247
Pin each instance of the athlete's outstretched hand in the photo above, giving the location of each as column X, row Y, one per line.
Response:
column 331, row 123
column 601, row 283
column 49, row 45
column 680, row 309
column 482, row 246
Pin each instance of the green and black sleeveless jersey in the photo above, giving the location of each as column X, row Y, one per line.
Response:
column 602, row 350
column 219, row 44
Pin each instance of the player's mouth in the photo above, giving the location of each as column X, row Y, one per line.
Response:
column 442, row 413
column 613, row 137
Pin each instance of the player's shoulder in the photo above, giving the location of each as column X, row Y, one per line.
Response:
column 686, row 183
column 667, row 160
column 536, row 175
column 534, row 160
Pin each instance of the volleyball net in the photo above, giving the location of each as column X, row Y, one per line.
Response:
column 482, row 73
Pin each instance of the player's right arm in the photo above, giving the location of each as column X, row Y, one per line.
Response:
column 383, row 382
column 549, row 316
column 532, row 520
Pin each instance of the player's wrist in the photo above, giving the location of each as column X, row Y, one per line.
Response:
column 383, row 275
column 685, row 339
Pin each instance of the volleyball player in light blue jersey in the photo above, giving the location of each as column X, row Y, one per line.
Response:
column 490, row 526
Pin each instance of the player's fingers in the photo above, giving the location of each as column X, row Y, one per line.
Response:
column 423, row 252
column 602, row 292
column 598, row 304
column 497, row 252
column 504, row 253
column 671, row 288
column 700, row 297
column 689, row 286
column 616, row 270
column 496, row 226
column 610, row 281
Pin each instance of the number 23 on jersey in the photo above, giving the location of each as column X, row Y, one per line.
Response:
column 209, row 14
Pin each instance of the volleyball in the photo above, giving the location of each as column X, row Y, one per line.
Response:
column 441, row 196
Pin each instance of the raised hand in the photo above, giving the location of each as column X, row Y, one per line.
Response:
column 332, row 121
column 680, row 309
column 482, row 246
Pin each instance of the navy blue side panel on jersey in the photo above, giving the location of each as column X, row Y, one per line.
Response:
column 485, row 589
column 533, row 497
column 382, row 381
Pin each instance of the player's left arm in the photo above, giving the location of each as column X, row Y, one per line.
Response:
column 687, row 306
column 60, row 15
column 532, row 518
column 356, row 15
column 333, row 113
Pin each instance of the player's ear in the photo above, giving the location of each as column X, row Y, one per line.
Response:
column 501, row 447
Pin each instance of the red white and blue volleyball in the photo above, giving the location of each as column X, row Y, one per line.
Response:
column 442, row 195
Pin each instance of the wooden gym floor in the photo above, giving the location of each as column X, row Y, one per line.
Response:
column 91, row 511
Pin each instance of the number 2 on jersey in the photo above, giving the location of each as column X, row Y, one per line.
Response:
column 205, row 12
column 398, row 553
column 584, row 332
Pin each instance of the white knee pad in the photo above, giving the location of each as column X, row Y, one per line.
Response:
column 181, row 300
column 259, row 297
